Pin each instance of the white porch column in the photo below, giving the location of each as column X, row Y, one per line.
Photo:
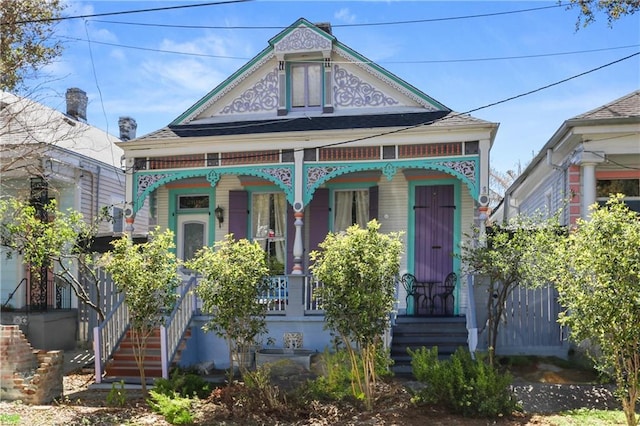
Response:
column 588, row 188
column 298, row 206
column 587, row 161
column 129, row 195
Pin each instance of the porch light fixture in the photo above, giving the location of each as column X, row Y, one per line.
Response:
column 219, row 212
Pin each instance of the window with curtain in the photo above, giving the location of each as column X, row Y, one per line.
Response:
column 351, row 207
column 269, row 215
column 306, row 85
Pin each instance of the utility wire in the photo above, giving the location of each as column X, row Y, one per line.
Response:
column 496, row 58
column 124, row 12
column 371, row 24
column 430, row 122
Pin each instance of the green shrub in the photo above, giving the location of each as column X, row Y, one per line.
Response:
column 117, row 396
column 462, row 385
column 174, row 408
column 335, row 382
column 183, row 383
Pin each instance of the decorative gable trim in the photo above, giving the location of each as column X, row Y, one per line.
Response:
column 225, row 87
column 351, row 91
column 387, row 77
column 302, row 39
column 262, row 96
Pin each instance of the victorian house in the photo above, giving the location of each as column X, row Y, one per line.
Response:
column 306, row 138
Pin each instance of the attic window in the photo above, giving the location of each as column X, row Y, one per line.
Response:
column 306, row 85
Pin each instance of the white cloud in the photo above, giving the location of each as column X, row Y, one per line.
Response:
column 344, row 15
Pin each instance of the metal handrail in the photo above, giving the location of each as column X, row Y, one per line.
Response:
column 108, row 334
column 172, row 332
column 4, row 305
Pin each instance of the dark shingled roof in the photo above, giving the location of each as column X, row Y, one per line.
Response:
column 298, row 124
column 624, row 107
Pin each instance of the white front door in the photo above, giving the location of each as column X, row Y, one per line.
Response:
column 193, row 231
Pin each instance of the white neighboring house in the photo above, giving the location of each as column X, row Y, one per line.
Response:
column 47, row 154
column 590, row 156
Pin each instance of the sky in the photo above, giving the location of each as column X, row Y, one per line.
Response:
column 503, row 61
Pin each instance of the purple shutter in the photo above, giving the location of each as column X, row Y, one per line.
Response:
column 238, row 213
column 373, row 202
column 291, row 235
column 319, row 215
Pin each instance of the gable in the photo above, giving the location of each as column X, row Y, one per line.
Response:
column 301, row 63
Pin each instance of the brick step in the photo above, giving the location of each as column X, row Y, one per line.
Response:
column 126, row 371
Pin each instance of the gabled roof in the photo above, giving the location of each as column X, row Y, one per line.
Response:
column 30, row 122
column 289, row 42
column 299, row 38
column 625, row 107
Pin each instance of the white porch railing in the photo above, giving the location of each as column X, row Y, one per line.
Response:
column 312, row 302
column 277, row 296
column 107, row 336
column 173, row 331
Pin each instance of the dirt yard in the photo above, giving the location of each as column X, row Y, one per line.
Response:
column 85, row 405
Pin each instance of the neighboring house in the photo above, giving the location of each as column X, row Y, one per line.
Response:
column 589, row 157
column 310, row 137
column 50, row 155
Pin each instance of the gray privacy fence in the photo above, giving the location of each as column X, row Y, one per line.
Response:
column 105, row 294
column 531, row 326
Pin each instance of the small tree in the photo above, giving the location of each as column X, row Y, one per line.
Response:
column 507, row 255
column 599, row 286
column 27, row 39
column 147, row 274
column 358, row 270
column 234, row 276
column 49, row 238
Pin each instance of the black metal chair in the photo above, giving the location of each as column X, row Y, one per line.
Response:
column 409, row 284
column 449, row 286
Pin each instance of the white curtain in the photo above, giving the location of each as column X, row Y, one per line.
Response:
column 265, row 220
column 280, row 219
column 344, row 207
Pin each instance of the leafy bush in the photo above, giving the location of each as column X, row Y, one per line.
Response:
column 183, row 383
column 461, row 384
column 174, row 408
column 336, row 381
column 117, row 396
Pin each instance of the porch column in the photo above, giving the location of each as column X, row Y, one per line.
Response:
column 587, row 161
column 298, row 206
column 129, row 193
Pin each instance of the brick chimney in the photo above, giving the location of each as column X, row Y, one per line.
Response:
column 128, row 128
column 324, row 26
column 77, row 104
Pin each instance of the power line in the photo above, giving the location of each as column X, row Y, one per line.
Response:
column 497, row 58
column 371, row 24
column 124, row 12
column 430, row 122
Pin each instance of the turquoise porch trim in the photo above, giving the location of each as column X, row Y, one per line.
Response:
column 457, row 229
column 148, row 181
column 466, row 169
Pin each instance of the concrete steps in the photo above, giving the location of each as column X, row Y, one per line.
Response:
column 414, row 332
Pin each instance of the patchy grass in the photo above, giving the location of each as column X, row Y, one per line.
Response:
column 9, row 419
column 588, row 417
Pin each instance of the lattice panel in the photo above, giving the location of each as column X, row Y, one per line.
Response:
column 430, row 150
column 250, row 157
column 351, row 153
column 177, row 162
